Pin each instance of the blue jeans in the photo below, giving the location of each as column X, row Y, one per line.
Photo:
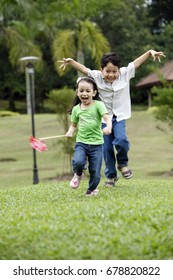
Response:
column 116, row 140
column 94, row 154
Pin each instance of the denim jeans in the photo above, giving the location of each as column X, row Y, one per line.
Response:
column 93, row 153
column 116, row 140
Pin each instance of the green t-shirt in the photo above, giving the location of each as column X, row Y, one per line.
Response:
column 89, row 123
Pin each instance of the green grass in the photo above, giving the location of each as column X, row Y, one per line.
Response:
column 16, row 157
column 134, row 220
column 150, row 155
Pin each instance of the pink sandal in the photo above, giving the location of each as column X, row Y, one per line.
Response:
column 75, row 182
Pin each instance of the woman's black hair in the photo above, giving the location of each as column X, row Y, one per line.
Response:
column 90, row 80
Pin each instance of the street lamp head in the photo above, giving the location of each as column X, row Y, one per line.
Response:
column 29, row 59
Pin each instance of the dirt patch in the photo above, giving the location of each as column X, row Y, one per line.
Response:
column 7, row 159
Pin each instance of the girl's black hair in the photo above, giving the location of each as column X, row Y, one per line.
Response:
column 89, row 80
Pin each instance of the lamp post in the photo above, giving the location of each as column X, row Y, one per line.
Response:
column 29, row 69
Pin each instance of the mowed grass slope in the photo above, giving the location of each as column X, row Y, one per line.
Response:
column 16, row 155
column 133, row 220
column 150, row 156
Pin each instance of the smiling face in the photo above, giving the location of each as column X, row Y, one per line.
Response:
column 86, row 92
column 110, row 72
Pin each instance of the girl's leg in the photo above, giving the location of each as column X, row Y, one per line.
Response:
column 95, row 163
column 79, row 158
column 78, row 163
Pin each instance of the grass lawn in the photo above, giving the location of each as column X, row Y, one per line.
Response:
column 151, row 153
column 131, row 221
column 50, row 221
column 16, row 156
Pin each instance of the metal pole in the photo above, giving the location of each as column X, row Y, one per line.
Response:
column 29, row 70
column 30, row 73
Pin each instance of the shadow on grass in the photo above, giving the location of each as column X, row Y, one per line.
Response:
column 162, row 173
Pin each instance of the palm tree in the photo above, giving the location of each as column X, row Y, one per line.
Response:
column 73, row 43
column 16, row 30
column 80, row 34
column 17, row 36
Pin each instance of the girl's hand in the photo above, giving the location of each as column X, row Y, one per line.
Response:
column 106, row 131
column 156, row 55
column 65, row 62
column 68, row 134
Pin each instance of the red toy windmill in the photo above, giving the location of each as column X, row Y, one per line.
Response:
column 38, row 143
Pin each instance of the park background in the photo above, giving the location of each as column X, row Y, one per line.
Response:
column 34, row 217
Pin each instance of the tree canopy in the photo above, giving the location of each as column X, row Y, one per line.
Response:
column 82, row 29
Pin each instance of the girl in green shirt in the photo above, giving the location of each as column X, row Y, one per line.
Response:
column 86, row 117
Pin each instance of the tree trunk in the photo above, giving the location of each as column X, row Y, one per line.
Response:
column 80, row 59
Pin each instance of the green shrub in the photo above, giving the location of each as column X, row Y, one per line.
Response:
column 164, row 101
column 8, row 114
column 60, row 101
